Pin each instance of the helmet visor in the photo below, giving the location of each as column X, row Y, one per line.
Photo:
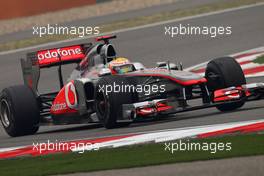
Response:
column 124, row 68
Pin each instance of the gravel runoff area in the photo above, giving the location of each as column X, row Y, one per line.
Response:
column 115, row 6
column 242, row 166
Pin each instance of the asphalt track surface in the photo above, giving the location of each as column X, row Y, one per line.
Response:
column 98, row 20
column 149, row 45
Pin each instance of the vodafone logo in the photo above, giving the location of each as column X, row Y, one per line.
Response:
column 62, row 52
column 71, row 96
column 46, row 57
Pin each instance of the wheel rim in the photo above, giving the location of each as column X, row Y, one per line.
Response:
column 5, row 113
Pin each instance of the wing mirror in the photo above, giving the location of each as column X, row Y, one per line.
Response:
column 104, row 72
column 169, row 66
column 138, row 66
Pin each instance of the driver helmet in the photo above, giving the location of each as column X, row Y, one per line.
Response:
column 120, row 65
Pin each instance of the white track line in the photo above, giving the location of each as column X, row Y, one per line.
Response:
column 242, row 59
column 134, row 28
column 261, row 48
column 158, row 135
column 169, row 135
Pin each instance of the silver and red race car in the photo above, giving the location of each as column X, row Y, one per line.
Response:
column 117, row 90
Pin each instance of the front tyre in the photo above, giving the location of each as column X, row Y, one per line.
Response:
column 108, row 105
column 19, row 111
column 222, row 73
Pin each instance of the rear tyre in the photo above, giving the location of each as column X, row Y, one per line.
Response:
column 19, row 111
column 222, row 73
column 109, row 105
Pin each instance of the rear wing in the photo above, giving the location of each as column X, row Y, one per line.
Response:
column 49, row 58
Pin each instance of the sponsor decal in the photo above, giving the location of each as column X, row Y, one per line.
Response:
column 46, row 57
column 66, row 101
column 70, row 96
column 59, row 107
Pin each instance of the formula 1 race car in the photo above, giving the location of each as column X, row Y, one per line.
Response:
column 117, row 90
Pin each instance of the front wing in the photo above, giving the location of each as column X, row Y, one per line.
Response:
column 247, row 92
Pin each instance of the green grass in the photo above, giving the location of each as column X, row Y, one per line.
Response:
column 259, row 60
column 134, row 22
column 127, row 157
